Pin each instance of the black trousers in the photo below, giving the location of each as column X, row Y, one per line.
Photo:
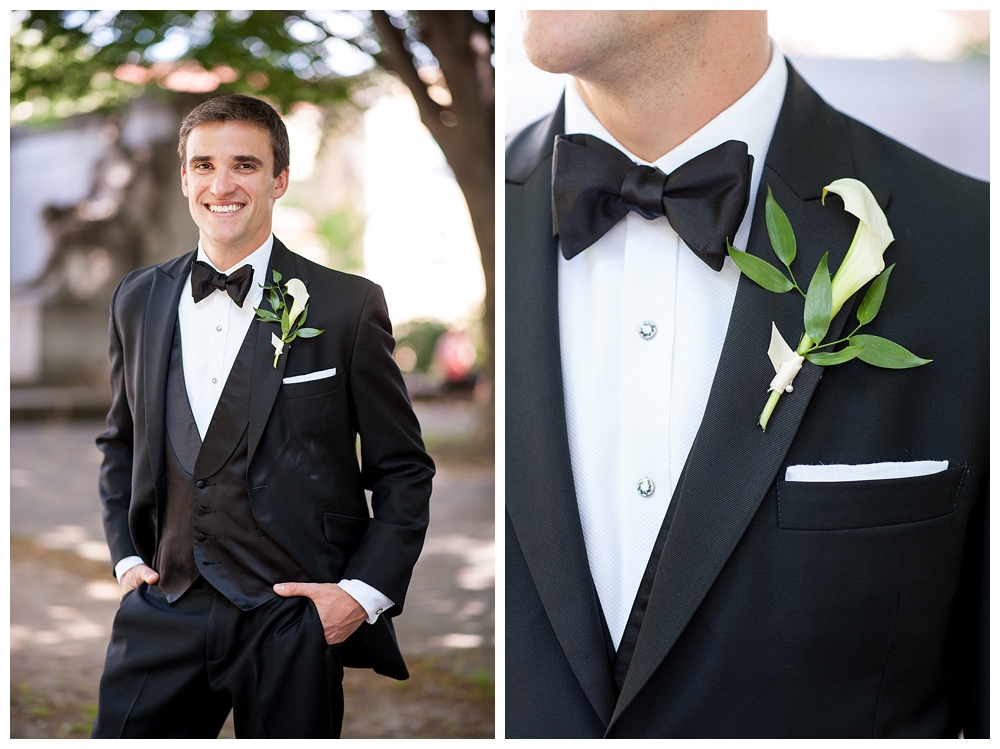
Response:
column 175, row 670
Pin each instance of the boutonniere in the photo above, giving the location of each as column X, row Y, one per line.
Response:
column 826, row 296
column 290, row 319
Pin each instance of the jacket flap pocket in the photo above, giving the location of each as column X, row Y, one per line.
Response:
column 344, row 530
column 842, row 505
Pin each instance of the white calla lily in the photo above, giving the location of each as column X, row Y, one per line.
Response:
column 864, row 258
column 297, row 291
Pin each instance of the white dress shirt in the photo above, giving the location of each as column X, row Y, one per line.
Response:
column 212, row 333
column 642, row 321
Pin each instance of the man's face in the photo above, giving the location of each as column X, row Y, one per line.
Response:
column 587, row 42
column 230, row 186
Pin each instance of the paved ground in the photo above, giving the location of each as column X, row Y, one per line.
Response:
column 63, row 597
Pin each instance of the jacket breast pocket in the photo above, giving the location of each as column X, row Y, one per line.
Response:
column 294, row 390
column 845, row 505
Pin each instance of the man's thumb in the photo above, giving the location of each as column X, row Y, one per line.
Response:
column 290, row 589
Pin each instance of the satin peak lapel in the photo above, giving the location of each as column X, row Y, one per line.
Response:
column 733, row 463
column 540, row 494
column 169, row 282
column 267, row 378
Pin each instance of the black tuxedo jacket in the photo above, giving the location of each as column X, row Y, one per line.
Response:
column 778, row 609
column 306, row 488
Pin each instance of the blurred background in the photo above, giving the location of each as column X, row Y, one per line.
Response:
column 921, row 77
column 391, row 118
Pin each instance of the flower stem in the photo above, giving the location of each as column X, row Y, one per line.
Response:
column 765, row 415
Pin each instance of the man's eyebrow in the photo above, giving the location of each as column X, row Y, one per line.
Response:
column 242, row 158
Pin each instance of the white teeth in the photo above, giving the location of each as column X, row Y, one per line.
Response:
column 225, row 208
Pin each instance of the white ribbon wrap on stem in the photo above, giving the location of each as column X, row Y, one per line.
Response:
column 785, row 361
column 278, row 344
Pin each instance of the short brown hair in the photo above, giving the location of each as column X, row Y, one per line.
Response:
column 239, row 108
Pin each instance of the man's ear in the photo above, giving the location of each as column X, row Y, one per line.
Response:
column 280, row 184
column 184, row 182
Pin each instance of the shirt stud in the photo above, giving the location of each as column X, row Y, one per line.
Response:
column 647, row 330
column 645, row 487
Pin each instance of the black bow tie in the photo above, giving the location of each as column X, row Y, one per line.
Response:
column 205, row 279
column 594, row 185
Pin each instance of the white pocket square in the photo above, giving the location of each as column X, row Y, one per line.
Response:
column 866, row 471
column 321, row 374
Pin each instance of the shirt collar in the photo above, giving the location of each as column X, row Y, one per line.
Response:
column 258, row 259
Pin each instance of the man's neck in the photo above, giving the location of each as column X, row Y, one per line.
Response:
column 654, row 109
column 227, row 258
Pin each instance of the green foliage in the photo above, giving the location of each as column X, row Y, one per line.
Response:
column 881, row 352
column 872, row 302
column 760, row 271
column 779, row 230
column 422, row 337
column 826, row 359
column 819, row 303
column 343, row 230
column 69, row 61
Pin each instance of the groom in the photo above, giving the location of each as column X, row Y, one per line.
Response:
column 251, row 567
column 670, row 570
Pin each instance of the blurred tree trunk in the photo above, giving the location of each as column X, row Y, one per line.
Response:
column 465, row 132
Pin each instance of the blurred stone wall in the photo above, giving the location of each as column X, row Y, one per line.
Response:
column 92, row 198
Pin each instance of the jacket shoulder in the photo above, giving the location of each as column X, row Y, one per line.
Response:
column 528, row 148
column 875, row 150
column 329, row 281
column 136, row 285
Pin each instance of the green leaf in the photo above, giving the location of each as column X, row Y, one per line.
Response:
column 828, row 359
column 779, row 229
column 872, row 302
column 881, row 352
column 308, row 332
column 285, row 324
column 760, row 271
column 819, row 303
column 265, row 316
column 276, row 276
column 274, row 299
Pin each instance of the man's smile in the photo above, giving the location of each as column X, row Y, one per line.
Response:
column 230, row 208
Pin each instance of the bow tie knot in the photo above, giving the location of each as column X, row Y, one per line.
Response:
column 594, row 186
column 642, row 191
column 205, row 279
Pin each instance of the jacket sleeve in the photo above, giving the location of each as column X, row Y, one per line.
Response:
column 394, row 465
column 117, row 444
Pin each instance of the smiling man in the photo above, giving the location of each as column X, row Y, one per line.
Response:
column 251, row 568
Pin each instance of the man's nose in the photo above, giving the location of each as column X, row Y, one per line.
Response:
column 223, row 183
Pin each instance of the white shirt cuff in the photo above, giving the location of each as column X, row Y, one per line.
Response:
column 125, row 565
column 374, row 602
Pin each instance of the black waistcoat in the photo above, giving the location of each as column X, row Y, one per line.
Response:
column 208, row 523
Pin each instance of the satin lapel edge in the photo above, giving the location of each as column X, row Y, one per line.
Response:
column 540, row 494
column 714, row 507
column 267, row 377
column 157, row 339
